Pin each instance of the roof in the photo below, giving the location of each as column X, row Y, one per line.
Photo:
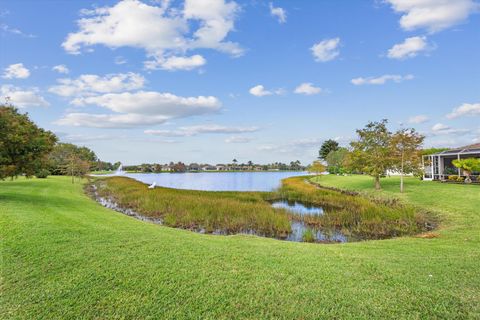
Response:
column 470, row 149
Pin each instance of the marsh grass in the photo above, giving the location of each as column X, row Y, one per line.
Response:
column 362, row 216
column 219, row 212
column 354, row 215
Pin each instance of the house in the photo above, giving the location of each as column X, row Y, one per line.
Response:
column 221, row 167
column 439, row 166
column 193, row 167
column 207, row 167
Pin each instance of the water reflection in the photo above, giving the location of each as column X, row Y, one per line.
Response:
column 299, row 227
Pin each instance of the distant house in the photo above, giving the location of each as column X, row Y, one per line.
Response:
column 221, row 167
column 207, row 167
column 439, row 166
column 193, row 167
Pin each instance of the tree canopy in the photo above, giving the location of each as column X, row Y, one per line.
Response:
column 23, row 146
column 371, row 152
column 327, row 147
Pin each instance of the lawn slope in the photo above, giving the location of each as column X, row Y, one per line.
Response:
column 65, row 256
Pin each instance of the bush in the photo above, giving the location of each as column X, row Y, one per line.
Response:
column 308, row 236
column 460, row 179
column 452, row 178
column 42, row 173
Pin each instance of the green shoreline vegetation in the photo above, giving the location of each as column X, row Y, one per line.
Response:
column 236, row 212
column 65, row 256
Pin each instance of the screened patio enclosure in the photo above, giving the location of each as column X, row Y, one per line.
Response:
column 439, row 166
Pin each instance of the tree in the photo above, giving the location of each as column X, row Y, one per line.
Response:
column 371, row 153
column 75, row 166
column 316, row 167
column 405, row 146
column 468, row 166
column 62, row 155
column 23, row 146
column 327, row 147
column 336, row 160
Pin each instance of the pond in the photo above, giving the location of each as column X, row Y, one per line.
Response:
column 299, row 227
column 217, row 181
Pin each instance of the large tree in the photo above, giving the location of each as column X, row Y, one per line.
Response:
column 406, row 152
column 62, row 154
column 371, row 152
column 327, row 147
column 23, row 145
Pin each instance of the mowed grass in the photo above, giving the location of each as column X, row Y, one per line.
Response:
column 66, row 257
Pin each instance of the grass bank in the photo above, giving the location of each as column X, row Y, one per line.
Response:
column 66, row 257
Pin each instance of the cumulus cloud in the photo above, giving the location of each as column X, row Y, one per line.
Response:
column 153, row 103
column 259, row 91
column 109, row 121
column 61, row 68
column 381, row 80
column 189, row 131
column 89, row 84
column 307, row 88
column 433, row 15
column 326, row 50
column 23, row 98
column 441, row 129
column 176, row 63
column 409, row 48
column 466, row 109
column 138, row 109
column 16, row 71
column 418, row 119
column 278, row 13
column 162, row 31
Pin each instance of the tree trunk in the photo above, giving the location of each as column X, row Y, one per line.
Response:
column 401, row 182
column 377, row 183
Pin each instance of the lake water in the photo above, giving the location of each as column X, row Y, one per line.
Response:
column 217, row 181
column 299, row 227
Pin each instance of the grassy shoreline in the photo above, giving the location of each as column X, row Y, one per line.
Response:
column 64, row 256
column 355, row 216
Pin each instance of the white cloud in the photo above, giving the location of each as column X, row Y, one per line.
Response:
column 326, row 50
column 433, row 15
column 381, row 80
column 16, row 71
column 109, row 120
column 279, row 13
column 162, row 31
column 5, row 28
column 23, row 98
column 409, row 48
column 237, row 139
column 466, row 109
column 418, row 119
column 153, row 103
column 259, row 91
column 295, row 147
column 307, row 88
column 190, row 131
column 176, row 63
column 61, row 68
column 441, row 129
column 89, row 84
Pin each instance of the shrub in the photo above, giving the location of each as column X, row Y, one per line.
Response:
column 460, row 179
column 42, row 173
column 452, row 178
column 308, row 236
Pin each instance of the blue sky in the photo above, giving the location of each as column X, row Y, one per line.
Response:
column 213, row 80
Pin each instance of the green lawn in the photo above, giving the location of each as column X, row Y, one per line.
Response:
column 65, row 256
